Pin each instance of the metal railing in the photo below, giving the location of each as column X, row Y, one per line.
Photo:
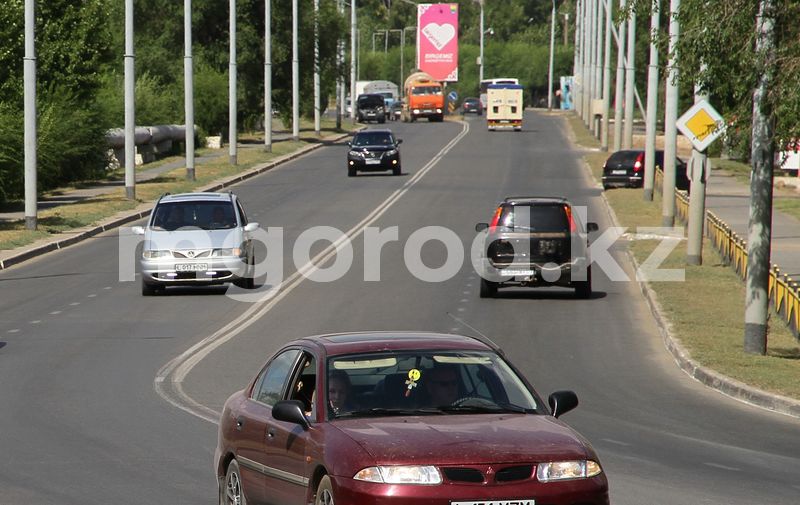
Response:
column 784, row 292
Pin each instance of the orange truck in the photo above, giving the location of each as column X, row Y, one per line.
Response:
column 423, row 98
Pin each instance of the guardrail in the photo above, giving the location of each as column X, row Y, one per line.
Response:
column 784, row 292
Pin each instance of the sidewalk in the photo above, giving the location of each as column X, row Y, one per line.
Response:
column 10, row 257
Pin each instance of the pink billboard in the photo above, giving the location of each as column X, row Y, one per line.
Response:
column 437, row 40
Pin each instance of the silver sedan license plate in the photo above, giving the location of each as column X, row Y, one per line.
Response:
column 529, row 501
column 191, row 267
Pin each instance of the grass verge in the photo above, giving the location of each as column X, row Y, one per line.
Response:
column 714, row 342
column 68, row 217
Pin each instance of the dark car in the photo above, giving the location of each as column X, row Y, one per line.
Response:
column 396, row 110
column 533, row 242
column 400, row 418
column 626, row 169
column 371, row 107
column 471, row 105
column 373, row 150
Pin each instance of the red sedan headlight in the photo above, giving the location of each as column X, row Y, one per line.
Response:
column 423, row 475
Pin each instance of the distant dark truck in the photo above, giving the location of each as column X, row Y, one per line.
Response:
column 371, row 107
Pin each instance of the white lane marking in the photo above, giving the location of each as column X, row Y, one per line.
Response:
column 616, row 442
column 107, row 287
column 723, row 467
column 15, row 330
column 464, row 300
column 55, row 313
column 179, row 367
column 36, row 321
column 465, row 292
column 454, row 329
column 73, row 304
column 461, row 309
column 91, row 296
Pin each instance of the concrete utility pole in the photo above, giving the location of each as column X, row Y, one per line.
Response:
column 598, row 65
column 620, row 88
column 268, row 76
column 576, row 55
column 585, row 92
column 295, row 77
column 630, row 83
column 29, row 79
column 188, row 89
column 232, row 111
column 550, row 71
column 606, row 78
column 592, row 64
column 480, row 56
column 339, row 70
column 652, row 106
column 317, row 105
column 670, row 118
column 353, row 29
column 698, row 173
column 130, row 107
column 759, row 234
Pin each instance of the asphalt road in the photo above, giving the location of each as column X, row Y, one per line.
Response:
column 110, row 397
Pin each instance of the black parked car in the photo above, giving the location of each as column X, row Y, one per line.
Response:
column 626, row 169
column 373, row 150
column 472, row 105
column 536, row 241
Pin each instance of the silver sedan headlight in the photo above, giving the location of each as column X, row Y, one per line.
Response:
column 154, row 253
column 422, row 475
column 564, row 470
column 233, row 251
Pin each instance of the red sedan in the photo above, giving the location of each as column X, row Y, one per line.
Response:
column 393, row 418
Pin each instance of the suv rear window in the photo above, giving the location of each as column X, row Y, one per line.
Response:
column 538, row 218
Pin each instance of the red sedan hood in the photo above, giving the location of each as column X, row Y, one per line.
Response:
column 470, row 439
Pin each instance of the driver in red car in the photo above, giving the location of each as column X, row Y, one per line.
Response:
column 441, row 384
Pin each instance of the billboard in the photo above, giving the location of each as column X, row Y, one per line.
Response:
column 437, row 40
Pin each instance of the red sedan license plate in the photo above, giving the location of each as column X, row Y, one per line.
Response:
column 529, row 501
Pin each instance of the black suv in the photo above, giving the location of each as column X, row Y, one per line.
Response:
column 626, row 169
column 371, row 107
column 536, row 241
column 372, row 150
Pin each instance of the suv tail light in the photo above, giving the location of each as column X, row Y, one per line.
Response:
column 637, row 166
column 572, row 226
column 495, row 218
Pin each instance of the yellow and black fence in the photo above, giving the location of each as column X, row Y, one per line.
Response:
column 784, row 293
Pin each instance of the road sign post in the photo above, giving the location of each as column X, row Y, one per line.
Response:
column 702, row 125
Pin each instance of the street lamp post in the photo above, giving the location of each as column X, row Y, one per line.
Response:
column 550, row 71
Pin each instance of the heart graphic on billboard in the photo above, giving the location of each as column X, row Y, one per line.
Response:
column 439, row 35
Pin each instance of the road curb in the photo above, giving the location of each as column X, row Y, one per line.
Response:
column 706, row 376
column 143, row 210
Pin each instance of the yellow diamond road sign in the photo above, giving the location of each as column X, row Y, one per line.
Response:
column 701, row 124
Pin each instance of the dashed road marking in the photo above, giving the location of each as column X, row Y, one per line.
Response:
column 55, row 313
column 74, row 304
column 723, row 467
column 36, row 321
column 15, row 330
column 616, row 442
column 91, row 296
